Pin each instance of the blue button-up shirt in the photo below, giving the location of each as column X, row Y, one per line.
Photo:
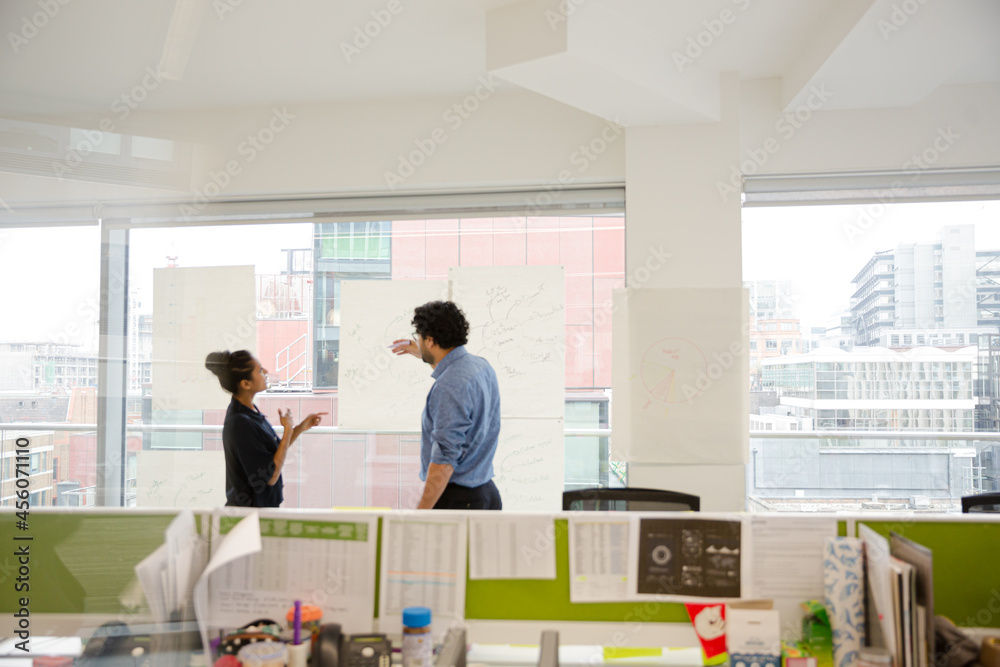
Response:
column 461, row 421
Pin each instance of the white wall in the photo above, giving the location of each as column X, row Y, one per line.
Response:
column 869, row 139
column 513, row 138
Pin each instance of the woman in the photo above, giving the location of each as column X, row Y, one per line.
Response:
column 254, row 453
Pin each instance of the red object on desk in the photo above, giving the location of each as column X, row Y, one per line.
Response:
column 52, row 661
column 227, row 661
column 709, row 621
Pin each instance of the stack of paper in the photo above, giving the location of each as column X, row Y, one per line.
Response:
column 168, row 574
column 921, row 558
column 902, row 590
column 880, row 582
column 904, row 595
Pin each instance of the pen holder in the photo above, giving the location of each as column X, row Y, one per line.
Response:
column 312, row 618
column 298, row 655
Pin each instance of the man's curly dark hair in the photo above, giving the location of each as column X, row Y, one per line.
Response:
column 444, row 322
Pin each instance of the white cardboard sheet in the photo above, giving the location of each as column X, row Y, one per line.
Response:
column 377, row 389
column 517, row 322
column 681, row 375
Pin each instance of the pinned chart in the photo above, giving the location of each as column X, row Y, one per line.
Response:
column 325, row 559
column 511, row 547
column 689, row 558
column 423, row 565
column 599, row 553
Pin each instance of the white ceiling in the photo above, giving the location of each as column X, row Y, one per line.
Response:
column 609, row 57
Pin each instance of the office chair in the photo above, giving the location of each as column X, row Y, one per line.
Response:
column 629, row 500
column 984, row 502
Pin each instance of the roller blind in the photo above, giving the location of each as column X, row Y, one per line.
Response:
column 872, row 186
column 535, row 201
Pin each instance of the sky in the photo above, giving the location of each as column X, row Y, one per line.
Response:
column 821, row 248
column 51, row 276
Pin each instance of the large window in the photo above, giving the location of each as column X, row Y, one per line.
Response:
column 901, row 341
column 48, row 356
column 297, row 336
column 290, row 271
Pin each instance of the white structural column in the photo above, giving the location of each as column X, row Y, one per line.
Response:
column 673, row 206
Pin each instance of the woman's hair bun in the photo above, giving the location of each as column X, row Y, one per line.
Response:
column 231, row 368
column 218, row 362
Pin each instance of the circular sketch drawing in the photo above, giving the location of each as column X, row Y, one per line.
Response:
column 670, row 365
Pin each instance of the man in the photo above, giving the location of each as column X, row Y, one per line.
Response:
column 461, row 420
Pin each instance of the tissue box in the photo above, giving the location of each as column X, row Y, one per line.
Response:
column 753, row 638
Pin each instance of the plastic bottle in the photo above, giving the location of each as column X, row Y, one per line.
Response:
column 418, row 648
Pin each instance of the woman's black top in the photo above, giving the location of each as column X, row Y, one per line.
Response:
column 250, row 444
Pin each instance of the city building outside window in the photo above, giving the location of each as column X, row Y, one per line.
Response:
column 919, row 353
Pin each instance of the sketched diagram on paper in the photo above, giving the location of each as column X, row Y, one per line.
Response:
column 515, row 331
column 187, row 492
column 527, row 464
column 382, row 365
column 669, row 371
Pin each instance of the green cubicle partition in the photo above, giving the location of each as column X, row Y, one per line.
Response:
column 966, row 565
column 82, row 562
column 79, row 562
column 542, row 600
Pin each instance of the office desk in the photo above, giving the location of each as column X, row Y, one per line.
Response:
column 486, row 655
column 501, row 655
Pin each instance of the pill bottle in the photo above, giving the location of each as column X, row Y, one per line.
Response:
column 312, row 618
column 418, row 648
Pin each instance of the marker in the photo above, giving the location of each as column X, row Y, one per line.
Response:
column 297, row 628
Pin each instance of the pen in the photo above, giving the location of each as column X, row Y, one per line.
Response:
column 297, row 638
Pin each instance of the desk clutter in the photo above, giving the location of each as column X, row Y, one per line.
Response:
column 746, row 590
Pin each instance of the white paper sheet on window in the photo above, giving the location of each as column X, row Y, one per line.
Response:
column 180, row 479
column 599, row 554
column 517, row 322
column 379, row 390
column 681, row 381
column 197, row 311
column 511, row 547
column 423, row 564
column 529, row 465
column 323, row 559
